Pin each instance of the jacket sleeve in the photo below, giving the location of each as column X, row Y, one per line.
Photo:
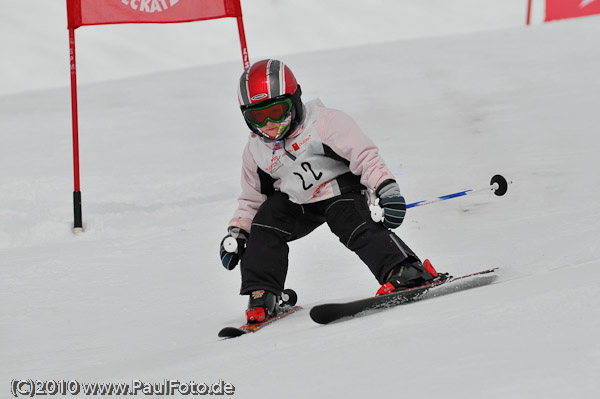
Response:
column 252, row 195
column 339, row 132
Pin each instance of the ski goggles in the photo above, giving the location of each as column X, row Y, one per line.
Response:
column 275, row 112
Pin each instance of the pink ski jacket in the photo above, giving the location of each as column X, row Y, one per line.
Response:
column 326, row 156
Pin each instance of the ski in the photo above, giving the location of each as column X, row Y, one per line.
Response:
column 329, row 312
column 232, row 332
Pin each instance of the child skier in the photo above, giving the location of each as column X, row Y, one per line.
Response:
column 303, row 165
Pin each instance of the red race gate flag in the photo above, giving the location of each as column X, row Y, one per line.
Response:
column 98, row 12
column 560, row 9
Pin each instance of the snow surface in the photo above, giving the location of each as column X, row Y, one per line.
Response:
column 141, row 294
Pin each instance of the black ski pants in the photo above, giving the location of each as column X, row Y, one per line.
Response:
column 264, row 263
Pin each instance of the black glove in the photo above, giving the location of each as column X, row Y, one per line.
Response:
column 235, row 242
column 392, row 203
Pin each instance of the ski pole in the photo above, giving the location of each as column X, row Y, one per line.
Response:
column 498, row 184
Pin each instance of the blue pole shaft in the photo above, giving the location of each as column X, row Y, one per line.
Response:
column 442, row 198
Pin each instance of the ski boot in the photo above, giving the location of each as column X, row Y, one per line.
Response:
column 409, row 275
column 261, row 306
column 264, row 304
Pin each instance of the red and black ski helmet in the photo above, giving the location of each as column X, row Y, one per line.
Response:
column 268, row 91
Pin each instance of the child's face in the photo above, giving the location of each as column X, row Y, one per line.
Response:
column 271, row 129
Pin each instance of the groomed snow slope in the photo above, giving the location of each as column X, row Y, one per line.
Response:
column 34, row 38
column 141, row 294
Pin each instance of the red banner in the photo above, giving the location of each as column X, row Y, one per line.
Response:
column 98, row 12
column 560, row 9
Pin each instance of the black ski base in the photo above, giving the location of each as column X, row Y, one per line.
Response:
column 231, row 332
column 330, row 312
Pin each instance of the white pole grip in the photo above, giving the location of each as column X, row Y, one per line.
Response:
column 376, row 213
column 230, row 244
